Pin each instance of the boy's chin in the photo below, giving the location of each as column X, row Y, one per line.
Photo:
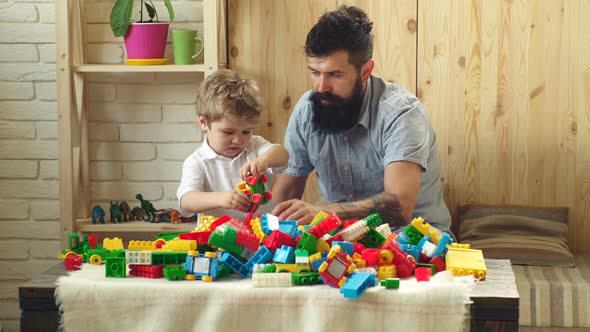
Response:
column 231, row 153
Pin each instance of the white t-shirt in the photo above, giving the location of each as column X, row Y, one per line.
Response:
column 206, row 171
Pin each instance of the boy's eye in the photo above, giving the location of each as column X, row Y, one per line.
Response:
column 247, row 132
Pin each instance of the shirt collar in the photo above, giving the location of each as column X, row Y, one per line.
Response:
column 207, row 152
column 365, row 115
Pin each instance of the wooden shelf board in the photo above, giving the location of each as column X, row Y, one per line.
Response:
column 110, row 68
column 86, row 225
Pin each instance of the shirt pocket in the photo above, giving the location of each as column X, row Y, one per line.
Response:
column 372, row 181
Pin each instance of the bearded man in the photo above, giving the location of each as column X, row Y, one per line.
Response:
column 370, row 141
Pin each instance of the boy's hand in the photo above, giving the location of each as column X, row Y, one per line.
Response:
column 255, row 167
column 235, row 199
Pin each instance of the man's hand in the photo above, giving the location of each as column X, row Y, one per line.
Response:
column 255, row 167
column 296, row 209
column 235, row 199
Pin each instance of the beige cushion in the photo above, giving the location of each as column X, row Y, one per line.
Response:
column 525, row 235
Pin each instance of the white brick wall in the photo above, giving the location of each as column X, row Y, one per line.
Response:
column 141, row 126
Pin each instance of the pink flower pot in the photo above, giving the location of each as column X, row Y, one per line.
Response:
column 146, row 40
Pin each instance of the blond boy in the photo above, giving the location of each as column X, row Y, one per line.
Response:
column 228, row 108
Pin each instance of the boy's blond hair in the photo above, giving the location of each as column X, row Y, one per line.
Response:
column 226, row 94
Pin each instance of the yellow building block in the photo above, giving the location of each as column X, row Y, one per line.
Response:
column 322, row 246
column 318, row 217
column 141, row 245
column 459, row 245
column 427, row 230
column 387, row 271
column 257, row 229
column 112, row 244
column 180, row 245
column 464, row 262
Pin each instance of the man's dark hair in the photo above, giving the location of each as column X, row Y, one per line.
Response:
column 347, row 28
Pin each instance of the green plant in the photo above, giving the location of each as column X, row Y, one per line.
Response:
column 122, row 10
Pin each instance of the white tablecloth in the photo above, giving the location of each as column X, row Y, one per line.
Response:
column 91, row 302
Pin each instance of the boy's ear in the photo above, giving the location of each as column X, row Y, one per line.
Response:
column 203, row 123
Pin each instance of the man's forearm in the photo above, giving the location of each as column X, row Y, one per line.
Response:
column 386, row 204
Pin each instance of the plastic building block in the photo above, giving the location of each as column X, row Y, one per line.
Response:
column 438, row 263
column 466, row 262
column 264, row 268
column 305, row 279
column 347, row 247
column 427, row 230
column 301, row 257
column 174, row 273
column 234, row 264
column 138, row 257
column 371, row 256
column 441, row 247
column 385, row 257
column 146, row 271
column 307, row 242
column 384, row 230
column 372, row 239
column 277, row 239
column 432, row 267
column 202, row 266
column 262, row 256
column 116, row 267
column 180, row 245
column 373, row 220
column 220, row 241
column 387, row 271
column 293, row 268
column 112, row 244
column 357, row 284
column 271, row 279
column 336, row 268
column 414, row 235
column 200, row 237
column 325, row 226
column 288, row 227
column 354, row 231
column 168, row 258
column 423, row 273
column 72, row 261
column 285, row 255
column 390, row 283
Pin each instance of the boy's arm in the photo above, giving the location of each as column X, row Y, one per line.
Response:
column 275, row 156
column 195, row 201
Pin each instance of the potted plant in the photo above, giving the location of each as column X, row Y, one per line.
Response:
column 146, row 38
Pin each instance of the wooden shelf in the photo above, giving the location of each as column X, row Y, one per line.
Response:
column 86, row 225
column 123, row 68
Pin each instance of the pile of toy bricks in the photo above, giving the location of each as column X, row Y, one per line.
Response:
column 351, row 255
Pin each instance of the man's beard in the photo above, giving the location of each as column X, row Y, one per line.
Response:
column 341, row 113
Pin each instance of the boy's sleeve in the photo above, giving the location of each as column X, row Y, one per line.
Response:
column 193, row 177
column 260, row 146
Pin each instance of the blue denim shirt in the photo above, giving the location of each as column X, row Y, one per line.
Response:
column 392, row 126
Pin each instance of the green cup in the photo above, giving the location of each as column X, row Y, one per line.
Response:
column 183, row 44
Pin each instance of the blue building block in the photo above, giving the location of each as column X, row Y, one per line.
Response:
column 262, row 256
column 403, row 239
column 315, row 265
column 285, row 255
column 441, row 247
column 356, row 284
column 234, row 264
column 288, row 227
column 347, row 247
column 202, row 266
column 423, row 240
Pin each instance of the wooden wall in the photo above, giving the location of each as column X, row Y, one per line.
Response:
column 506, row 85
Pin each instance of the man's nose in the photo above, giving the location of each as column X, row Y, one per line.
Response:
column 322, row 84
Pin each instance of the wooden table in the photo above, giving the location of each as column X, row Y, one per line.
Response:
column 495, row 300
column 494, row 307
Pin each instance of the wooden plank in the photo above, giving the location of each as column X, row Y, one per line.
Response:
column 118, row 68
column 64, row 109
column 86, row 226
column 214, row 35
column 395, row 30
column 578, row 83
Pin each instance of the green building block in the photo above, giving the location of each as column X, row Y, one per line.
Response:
column 116, row 267
column 168, row 258
column 174, row 273
column 305, row 279
column 308, row 242
column 373, row 220
column 414, row 234
column 372, row 239
column 390, row 283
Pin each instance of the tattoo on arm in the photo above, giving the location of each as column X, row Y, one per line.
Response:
column 386, row 204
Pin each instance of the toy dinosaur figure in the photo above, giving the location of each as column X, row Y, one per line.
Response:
column 125, row 210
column 98, row 214
column 137, row 214
column 115, row 213
column 148, row 207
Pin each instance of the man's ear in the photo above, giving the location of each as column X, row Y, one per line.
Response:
column 203, row 123
column 367, row 69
